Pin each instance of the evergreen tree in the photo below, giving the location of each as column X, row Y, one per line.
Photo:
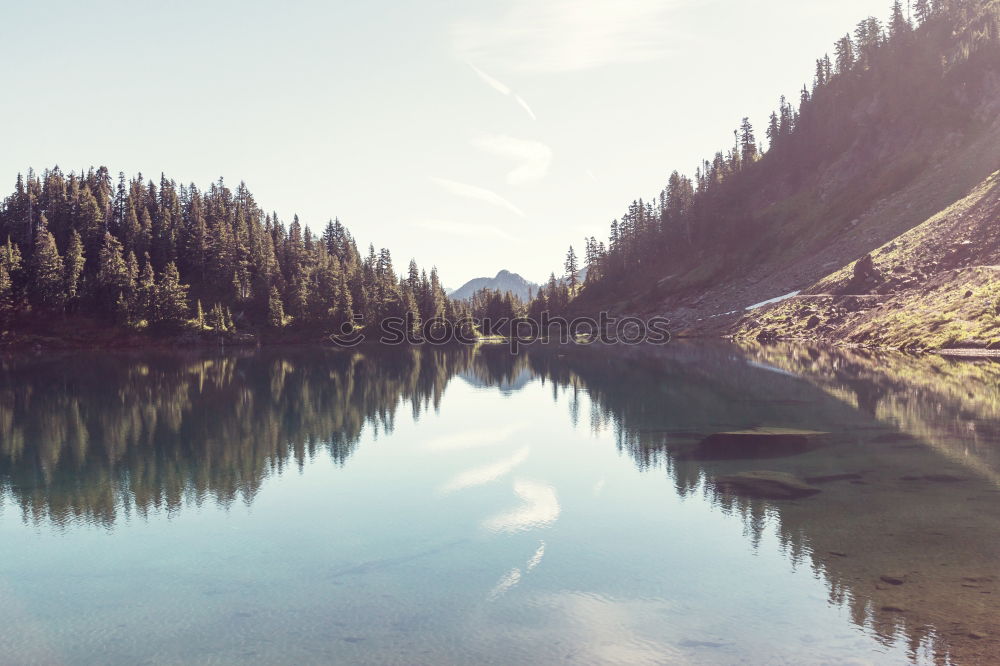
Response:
column 193, row 258
column 132, row 297
column 437, row 296
column 329, row 239
column 922, row 10
column 323, row 294
column 572, row 269
column 171, row 297
column 898, row 23
column 410, row 308
column 748, row 143
column 413, row 277
column 131, row 231
column 297, row 298
column 6, row 289
column 786, row 117
column 114, row 281
column 48, row 282
column 199, row 316
column 217, row 319
column 772, row 129
column 819, row 79
column 345, row 306
column 147, row 294
column 275, row 309
column 844, row 55
column 11, row 267
column 867, row 40
column 90, row 221
column 538, row 305
column 74, row 261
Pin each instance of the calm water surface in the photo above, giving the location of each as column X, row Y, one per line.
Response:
column 469, row 506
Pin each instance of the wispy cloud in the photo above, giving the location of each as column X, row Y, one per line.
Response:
column 514, row 576
column 479, row 476
column 509, row 580
column 567, row 35
column 536, row 559
column 490, row 81
column 477, row 193
column 502, row 89
column 468, row 439
column 533, row 157
column 524, row 105
column 539, row 508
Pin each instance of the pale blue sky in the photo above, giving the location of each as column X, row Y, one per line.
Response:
column 475, row 136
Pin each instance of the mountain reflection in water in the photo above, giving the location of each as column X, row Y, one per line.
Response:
column 903, row 531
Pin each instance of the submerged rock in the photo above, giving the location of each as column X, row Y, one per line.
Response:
column 755, row 443
column 944, row 478
column 934, row 478
column 764, row 485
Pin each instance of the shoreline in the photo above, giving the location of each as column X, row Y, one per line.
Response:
column 139, row 342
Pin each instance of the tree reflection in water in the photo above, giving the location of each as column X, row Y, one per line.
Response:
column 909, row 474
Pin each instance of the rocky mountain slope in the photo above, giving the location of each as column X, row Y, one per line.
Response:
column 936, row 286
column 896, row 160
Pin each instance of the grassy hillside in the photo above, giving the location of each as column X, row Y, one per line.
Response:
column 937, row 286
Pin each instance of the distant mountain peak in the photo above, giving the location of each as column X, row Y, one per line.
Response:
column 504, row 281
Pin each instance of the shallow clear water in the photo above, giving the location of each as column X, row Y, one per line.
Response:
column 469, row 506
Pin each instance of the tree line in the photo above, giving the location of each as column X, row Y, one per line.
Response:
column 87, row 438
column 145, row 254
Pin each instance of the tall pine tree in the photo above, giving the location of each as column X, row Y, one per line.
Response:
column 47, row 285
